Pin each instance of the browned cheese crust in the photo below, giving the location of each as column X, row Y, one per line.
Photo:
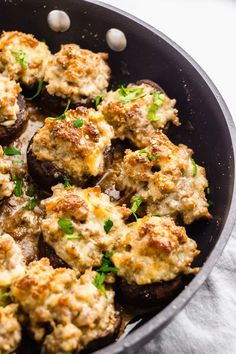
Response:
column 10, row 329
column 138, row 117
column 22, row 57
column 77, row 74
column 167, row 179
column 78, row 150
column 75, row 310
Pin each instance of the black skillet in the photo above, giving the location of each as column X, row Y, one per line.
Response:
column 207, row 126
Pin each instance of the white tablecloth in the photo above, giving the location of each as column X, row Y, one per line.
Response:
column 206, row 29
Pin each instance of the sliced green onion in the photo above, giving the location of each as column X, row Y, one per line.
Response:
column 194, row 166
column 18, row 186
column 20, row 57
column 78, row 123
column 67, row 182
column 127, row 94
column 108, row 225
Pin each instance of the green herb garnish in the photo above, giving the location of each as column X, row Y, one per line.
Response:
column 210, row 202
column 208, row 191
column 127, row 94
column 11, row 151
column 98, row 100
column 78, row 123
column 194, row 166
column 39, row 89
column 135, row 205
column 73, row 237
column 17, row 161
column 149, row 156
column 63, row 115
column 158, row 99
column 108, row 225
column 31, row 204
column 106, row 267
column 18, row 186
column 5, row 298
column 66, row 226
column 67, row 182
column 20, row 57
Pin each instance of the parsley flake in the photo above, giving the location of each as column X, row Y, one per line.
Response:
column 106, row 267
column 66, row 226
column 149, row 156
column 78, row 123
column 127, row 94
column 5, row 298
column 108, row 225
column 11, row 151
column 20, row 57
column 39, row 89
column 67, row 182
column 194, row 166
column 18, row 186
column 63, row 115
column 98, row 100
column 158, row 99
column 135, row 205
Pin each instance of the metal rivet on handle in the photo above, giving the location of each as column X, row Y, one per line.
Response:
column 116, row 39
column 58, row 20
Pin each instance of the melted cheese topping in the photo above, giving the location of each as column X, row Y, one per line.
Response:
column 154, row 249
column 78, row 151
column 10, row 330
column 177, row 187
column 131, row 120
column 87, row 210
column 74, row 309
column 12, row 263
column 77, row 73
column 6, row 185
column 9, row 107
column 23, row 57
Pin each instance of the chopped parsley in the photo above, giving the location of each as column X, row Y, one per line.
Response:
column 11, row 151
column 73, row 237
column 194, row 166
column 98, row 100
column 67, row 182
column 158, row 99
column 5, row 298
column 108, row 225
column 78, row 123
column 210, row 202
column 31, row 204
column 20, row 57
column 106, row 267
column 18, row 186
column 149, row 156
column 135, row 205
column 66, row 226
column 39, row 89
column 63, row 115
column 127, row 94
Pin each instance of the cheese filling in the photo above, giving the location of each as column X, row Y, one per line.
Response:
column 137, row 111
column 9, row 107
column 76, row 143
column 77, row 73
column 23, row 58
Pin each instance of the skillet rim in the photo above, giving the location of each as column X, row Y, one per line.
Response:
column 141, row 335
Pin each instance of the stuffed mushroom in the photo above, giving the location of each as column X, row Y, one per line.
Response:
column 77, row 74
column 12, row 110
column 136, row 111
column 68, row 313
column 23, row 58
column 153, row 260
column 72, row 146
